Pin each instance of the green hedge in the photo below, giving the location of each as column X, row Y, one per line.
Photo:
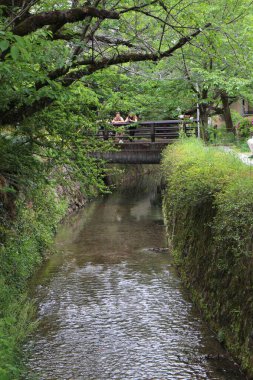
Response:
column 208, row 208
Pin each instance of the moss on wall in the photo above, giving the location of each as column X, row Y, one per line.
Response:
column 208, row 208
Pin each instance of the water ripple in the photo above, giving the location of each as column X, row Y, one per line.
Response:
column 111, row 310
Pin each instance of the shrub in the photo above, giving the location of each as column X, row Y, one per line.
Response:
column 27, row 238
column 208, row 208
column 244, row 128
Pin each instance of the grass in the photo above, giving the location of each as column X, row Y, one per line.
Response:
column 208, row 209
column 24, row 241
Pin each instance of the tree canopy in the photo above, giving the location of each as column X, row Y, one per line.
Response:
column 65, row 64
column 47, row 46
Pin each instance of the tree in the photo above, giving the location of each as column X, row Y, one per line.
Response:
column 56, row 56
column 216, row 68
column 47, row 46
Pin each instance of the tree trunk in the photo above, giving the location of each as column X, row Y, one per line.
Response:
column 203, row 112
column 203, row 120
column 227, row 112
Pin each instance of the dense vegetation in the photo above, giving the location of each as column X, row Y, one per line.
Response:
column 208, row 207
column 65, row 68
column 25, row 243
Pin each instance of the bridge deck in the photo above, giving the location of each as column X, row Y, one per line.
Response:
column 135, row 153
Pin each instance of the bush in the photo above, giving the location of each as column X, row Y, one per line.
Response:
column 244, row 128
column 220, row 136
column 208, row 208
column 27, row 237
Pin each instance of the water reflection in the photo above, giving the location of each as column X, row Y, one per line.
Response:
column 110, row 308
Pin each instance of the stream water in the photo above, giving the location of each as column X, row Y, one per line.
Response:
column 112, row 307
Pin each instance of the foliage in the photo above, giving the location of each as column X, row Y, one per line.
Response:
column 32, row 80
column 140, row 92
column 244, row 128
column 208, row 207
column 63, row 80
column 53, row 99
column 76, row 48
column 51, row 105
column 217, row 66
column 62, row 137
column 38, row 212
column 220, row 136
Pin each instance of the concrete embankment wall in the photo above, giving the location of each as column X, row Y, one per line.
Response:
column 208, row 208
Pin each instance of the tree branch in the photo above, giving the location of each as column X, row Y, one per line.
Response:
column 111, row 41
column 109, row 61
column 11, row 3
column 15, row 115
column 37, row 21
column 128, row 57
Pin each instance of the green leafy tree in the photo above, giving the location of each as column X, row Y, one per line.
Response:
column 50, row 55
column 47, row 47
column 217, row 68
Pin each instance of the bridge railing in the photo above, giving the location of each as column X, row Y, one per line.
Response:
column 149, row 131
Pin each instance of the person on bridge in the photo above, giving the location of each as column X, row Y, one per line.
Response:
column 117, row 118
column 131, row 118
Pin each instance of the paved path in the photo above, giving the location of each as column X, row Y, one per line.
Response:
column 244, row 157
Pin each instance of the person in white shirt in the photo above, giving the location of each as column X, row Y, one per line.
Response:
column 117, row 118
column 250, row 144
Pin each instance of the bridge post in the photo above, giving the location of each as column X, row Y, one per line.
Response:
column 152, row 133
column 105, row 134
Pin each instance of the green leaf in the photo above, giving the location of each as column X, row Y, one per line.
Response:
column 4, row 44
column 14, row 52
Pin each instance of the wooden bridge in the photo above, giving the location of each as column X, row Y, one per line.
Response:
column 142, row 142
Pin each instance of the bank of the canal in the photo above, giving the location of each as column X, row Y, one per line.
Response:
column 29, row 219
column 208, row 208
column 110, row 304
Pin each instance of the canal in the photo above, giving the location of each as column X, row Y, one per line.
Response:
column 111, row 305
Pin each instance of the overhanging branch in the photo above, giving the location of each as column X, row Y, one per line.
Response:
column 128, row 57
column 12, row 3
column 15, row 115
column 37, row 21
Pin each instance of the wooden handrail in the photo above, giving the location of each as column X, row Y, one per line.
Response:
column 156, row 122
column 148, row 130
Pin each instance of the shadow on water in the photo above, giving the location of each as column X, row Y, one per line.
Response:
column 110, row 304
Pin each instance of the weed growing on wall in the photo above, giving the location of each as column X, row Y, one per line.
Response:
column 26, row 239
column 208, row 208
